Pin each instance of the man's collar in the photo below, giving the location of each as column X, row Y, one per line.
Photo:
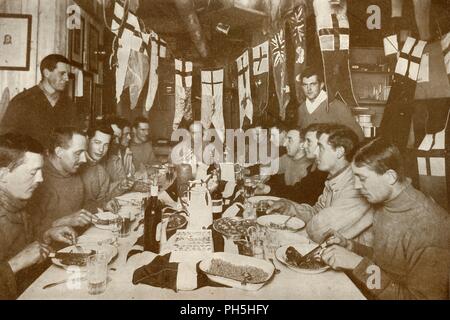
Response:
column 339, row 172
column 311, row 106
column 51, row 94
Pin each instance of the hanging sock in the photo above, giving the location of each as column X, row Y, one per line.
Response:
column 245, row 96
column 158, row 50
column 445, row 43
column 297, row 22
column 212, row 101
column 278, row 49
column 260, row 94
column 125, row 26
column 334, row 38
column 183, row 89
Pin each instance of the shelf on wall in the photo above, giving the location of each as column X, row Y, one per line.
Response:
column 372, row 102
column 371, row 72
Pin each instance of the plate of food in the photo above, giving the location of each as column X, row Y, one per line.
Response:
column 233, row 227
column 77, row 255
column 132, row 198
column 237, row 271
column 105, row 220
column 176, row 221
column 292, row 257
column 281, row 222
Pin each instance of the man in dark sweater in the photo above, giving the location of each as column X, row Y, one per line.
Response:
column 410, row 256
column 38, row 110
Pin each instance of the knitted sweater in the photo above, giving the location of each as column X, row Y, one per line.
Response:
column 58, row 196
column 142, row 154
column 15, row 235
column 294, row 170
column 338, row 113
column 411, row 247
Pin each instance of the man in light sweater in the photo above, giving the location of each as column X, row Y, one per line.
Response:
column 340, row 207
column 410, row 257
column 319, row 108
column 141, row 146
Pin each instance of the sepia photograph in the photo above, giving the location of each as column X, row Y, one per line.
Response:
column 209, row 151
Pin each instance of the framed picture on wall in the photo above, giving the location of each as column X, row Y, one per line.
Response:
column 15, row 39
column 76, row 44
column 93, row 48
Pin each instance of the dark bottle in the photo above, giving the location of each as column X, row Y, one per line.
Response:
column 152, row 218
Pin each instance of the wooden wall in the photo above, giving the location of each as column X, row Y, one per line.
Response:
column 49, row 34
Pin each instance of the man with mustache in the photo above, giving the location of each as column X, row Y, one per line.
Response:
column 410, row 257
column 38, row 110
column 98, row 189
column 21, row 248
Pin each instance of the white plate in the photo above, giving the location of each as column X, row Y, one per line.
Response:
column 111, row 252
column 132, row 198
column 294, row 224
column 103, row 238
column 237, row 260
column 105, row 216
column 303, row 248
column 256, row 199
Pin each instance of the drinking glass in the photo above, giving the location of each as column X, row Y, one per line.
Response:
column 271, row 243
column 124, row 221
column 97, row 273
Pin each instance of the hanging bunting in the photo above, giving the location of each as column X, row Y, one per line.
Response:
column 278, row 49
column 183, row 86
column 158, row 50
column 212, row 101
column 297, row 21
column 334, row 38
column 245, row 96
column 132, row 55
column 260, row 94
column 408, row 62
column 445, row 43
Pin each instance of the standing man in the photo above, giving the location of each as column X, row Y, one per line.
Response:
column 341, row 206
column 141, row 146
column 410, row 253
column 21, row 164
column 38, row 110
column 317, row 108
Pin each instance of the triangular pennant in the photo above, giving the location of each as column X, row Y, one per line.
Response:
column 244, row 89
column 445, row 44
column 278, row 50
column 212, row 101
column 158, row 50
column 137, row 73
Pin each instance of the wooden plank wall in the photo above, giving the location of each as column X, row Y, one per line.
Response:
column 49, row 35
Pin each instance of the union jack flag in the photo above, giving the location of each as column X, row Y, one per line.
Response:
column 298, row 23
column 278, row 48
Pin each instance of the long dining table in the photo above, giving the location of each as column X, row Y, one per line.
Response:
column 286, row 285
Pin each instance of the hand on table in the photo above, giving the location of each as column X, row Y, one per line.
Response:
column 112, row 205
column 63, row 234
column 34, row 253
column 126, row 184
column 282, row 207
column 335, row 238
column 81, row 218
column 339, row 257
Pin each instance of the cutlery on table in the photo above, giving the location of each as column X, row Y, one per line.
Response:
column 277, row 271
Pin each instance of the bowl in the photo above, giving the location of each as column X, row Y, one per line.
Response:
column 239, row 261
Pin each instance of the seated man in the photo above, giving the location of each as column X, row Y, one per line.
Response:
column 410, row 257
column 21, row 164
column 98, row 189
column 308, row 189
column 141, row 146
column 340, row 207
column 293, row 165
column 119, row 164
column 316, row 108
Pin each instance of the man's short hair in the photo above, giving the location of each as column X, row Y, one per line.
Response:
column 101, row 126
column 342, row 136
column 61, row 137
column 380, row 156
column 139, row 120
column 50, row 62
column 312, row 71
column 13, row 147
column 314, row 127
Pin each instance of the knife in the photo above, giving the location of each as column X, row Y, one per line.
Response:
column 319, row 247
column 70, row 255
